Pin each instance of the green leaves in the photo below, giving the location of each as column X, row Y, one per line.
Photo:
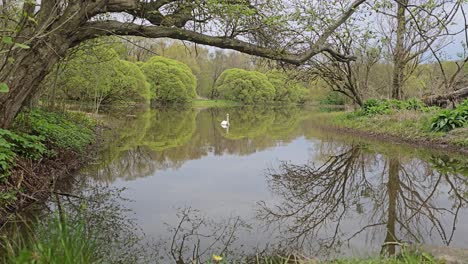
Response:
column 244, row 86
column 7, row 40
column 22, row 46
column 171, row 81
column 448, row 120
column 4, row 88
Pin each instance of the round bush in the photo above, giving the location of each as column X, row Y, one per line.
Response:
column 245, row 86
column 171, row 81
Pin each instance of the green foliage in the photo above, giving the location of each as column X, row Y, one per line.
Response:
column 7, row 157
column 202, row 103
column 13, row 145
column 58, row 241
column 333, row 98
column 383, row 107
column 4, row 88
column 27, row 146
column 170, row 81
column 61, row 131
column 447, row 120
column 245, row 86
column 7, row 197
column 170, row 128
column 97, row 75
column 287, row 91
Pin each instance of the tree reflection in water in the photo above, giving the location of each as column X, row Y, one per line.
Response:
column 390, row 195
column 196, row 237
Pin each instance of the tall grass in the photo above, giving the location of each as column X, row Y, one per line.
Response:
column 58, row 241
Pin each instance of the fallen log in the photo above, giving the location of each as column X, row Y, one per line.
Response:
column 445, row 99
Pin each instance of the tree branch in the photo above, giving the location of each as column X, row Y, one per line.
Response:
column 159, row 29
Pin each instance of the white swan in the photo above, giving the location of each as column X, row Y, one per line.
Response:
column 225, row 123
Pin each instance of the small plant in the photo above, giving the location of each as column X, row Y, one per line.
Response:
column 27, row 146
column 448, row 120
column 65, row 131
column 57, row 241
column 13, row 145
column 375, row 107
column 384, row 107
column 7, row 157
column 414, row 104
column 7, row 197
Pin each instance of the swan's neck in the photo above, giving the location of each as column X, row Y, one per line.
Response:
column 227, row 118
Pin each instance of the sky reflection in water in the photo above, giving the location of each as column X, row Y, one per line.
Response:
column 275, row 180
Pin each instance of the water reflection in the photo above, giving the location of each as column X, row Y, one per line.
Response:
column 324, row 195
column 160, row 139
column 390, row 199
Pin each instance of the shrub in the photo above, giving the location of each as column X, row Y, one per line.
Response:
column 375, row 107
column 333, row 98
column 287, row 91
column 380, row 107
column 170, row 81
column 64, row 131
column 245, row 86
column 447, row 120
column 98, row 75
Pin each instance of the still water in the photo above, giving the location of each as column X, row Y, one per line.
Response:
column 275, row 182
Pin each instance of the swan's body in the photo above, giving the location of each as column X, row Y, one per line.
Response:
column 225, row 123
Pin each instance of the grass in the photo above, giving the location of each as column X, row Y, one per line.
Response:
column 405, row 124
column 406, row 257
column 207, row 103
column 58, row 241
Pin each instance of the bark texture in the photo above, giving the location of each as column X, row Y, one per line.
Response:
column 445, row 100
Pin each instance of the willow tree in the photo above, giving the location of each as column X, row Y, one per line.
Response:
column 36, row 34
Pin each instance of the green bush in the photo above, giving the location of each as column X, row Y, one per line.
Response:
column 383, row 106
column 447, row 120
column 170, row 81
column 61, row 131
column 333, row 98
column 98, row 75
column 375, row 107
column 245, row 86
column 286, row 90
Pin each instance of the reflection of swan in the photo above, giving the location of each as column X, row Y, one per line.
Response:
column 225, row 123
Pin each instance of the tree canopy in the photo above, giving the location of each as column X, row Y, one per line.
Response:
column 245, row 86
column 97, row 75
column 38, row 34
column 171, row 81
column 256, row 87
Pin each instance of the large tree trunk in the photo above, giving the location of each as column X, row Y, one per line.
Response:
column 25, row 73
column 399, row 53
column 445, row 99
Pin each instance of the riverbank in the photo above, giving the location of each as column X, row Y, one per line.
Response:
column 410, row 126
column 207, row 103
column 41, row 148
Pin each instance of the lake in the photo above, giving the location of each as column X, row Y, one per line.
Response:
column 276, row 181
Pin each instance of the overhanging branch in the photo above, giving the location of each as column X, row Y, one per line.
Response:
column 160, row 30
